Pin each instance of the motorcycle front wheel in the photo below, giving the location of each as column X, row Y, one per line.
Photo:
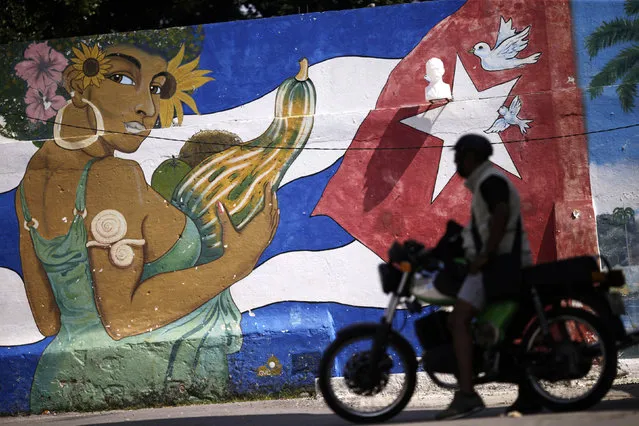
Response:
column 574, row 367
column 345, row 375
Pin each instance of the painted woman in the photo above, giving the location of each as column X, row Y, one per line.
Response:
column 111, row 268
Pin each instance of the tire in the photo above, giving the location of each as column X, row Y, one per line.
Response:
column 366, row 332
column 608, row 367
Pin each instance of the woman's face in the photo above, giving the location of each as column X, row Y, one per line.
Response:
column 129, row 97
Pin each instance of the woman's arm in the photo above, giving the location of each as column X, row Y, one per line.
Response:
column 41, row 299
column 128, row 306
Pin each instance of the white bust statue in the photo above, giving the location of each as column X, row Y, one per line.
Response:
column 436, row 88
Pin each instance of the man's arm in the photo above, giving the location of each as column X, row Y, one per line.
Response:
column 495, row 192
column 498, row 222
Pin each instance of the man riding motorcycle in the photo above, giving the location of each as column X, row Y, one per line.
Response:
column 494, row 235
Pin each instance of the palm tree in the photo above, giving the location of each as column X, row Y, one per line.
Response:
column 623, row 216
column 624, row 66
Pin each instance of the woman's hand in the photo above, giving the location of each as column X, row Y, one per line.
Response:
column 129, row 306
column 250, row 242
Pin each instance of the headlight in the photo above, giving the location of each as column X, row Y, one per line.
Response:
column 390, row 277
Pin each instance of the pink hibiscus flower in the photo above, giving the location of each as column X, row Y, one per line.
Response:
column 41, row 106
column 42, row 66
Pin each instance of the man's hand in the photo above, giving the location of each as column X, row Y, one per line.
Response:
column 478, row 263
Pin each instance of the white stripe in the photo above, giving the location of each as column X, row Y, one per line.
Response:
column 615, row 185
column 344, row 275
column 17, row 325
column 347, row 89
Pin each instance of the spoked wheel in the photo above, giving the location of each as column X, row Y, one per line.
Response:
column 346, row 375
column 575, row 367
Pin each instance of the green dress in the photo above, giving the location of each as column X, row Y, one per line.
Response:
column 83, row 368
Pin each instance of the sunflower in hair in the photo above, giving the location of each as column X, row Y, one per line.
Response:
column 181, row 79
column 90, row 64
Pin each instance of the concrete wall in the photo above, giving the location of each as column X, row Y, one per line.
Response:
column 96, row 321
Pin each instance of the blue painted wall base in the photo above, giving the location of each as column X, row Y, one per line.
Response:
column 294, row 333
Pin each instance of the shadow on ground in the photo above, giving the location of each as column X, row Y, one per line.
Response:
column 323, row 419
column 630, row 389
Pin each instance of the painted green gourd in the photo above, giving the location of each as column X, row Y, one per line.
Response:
column 237, row 176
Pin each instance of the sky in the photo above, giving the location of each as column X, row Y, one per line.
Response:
column 605, row 111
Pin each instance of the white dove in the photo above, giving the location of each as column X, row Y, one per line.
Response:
column 509, row 44
column 509, row 118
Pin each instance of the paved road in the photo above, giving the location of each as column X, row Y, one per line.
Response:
column 621, row 407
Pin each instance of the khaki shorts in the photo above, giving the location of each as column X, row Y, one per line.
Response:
column 472, row 291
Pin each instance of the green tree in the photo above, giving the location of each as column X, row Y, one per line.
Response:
column 624, row 216
column 24, row 20
column 624, row 66
column 277, row 8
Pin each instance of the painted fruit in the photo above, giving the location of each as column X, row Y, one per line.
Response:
column 238, row 175
column 205, row 143
column 168, row 175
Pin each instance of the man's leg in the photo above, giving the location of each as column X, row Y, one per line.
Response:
column 469, row 302
column 460, row 321
column 526, row 402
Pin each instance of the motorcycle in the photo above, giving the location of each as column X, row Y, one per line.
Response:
column 563, row 329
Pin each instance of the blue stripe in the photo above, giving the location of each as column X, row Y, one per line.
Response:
column 16, row 375
column 298, row 230
column 248, row 59
column 9, row 233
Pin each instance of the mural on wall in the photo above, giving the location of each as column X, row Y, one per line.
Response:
column 107, row 262
column 608, row 56
column 193, row 212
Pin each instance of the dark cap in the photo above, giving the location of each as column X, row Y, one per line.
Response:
column 477, row 144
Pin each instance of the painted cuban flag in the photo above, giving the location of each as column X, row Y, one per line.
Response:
column 378, row 165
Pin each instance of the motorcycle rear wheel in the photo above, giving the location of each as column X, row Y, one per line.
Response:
column 593, row 345
column 352, row 368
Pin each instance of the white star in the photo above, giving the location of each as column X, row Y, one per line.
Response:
column 471, row 111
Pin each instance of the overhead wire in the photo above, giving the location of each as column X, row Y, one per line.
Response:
column 309, row 148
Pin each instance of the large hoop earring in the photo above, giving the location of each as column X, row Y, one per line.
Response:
column 82, row 143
